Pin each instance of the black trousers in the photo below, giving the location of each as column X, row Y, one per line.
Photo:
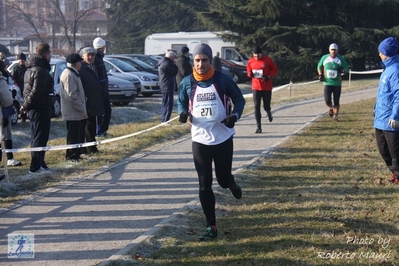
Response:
column 388, row 146
column 40, row 120
column 90, row 133
column 222, row 156
column 75, row 135
column 258, row 96
column 104, row 120
column 335, row 91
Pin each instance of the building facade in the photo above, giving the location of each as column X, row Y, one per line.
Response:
column 66, row 27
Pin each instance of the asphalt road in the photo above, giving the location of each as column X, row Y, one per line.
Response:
column 87, row 221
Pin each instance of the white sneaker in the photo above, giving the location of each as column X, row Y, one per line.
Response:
column 41, row 171
column 13, row 162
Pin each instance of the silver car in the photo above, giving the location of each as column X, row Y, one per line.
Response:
column 118, row 68
column 122, row 92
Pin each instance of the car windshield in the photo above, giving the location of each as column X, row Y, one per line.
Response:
column 148, row 60
column 123, row 66
column 141, row 63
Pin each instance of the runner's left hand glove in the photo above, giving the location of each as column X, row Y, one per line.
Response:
column 183, row 117
column 266, row 78
column 230, row 121
column 393, row 123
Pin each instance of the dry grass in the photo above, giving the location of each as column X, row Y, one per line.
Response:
column 322, row 198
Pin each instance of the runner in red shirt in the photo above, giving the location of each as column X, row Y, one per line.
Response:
column 262, row 70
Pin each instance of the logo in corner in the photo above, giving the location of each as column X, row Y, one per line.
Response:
column 21, row 246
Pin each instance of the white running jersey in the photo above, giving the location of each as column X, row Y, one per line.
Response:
column 207, row 113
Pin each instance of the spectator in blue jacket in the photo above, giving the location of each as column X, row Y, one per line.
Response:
column 386, row 118
column 167, row 79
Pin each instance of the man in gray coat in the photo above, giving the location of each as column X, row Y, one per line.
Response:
column 73, row 105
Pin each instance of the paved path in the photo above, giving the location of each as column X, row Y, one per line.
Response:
column 86, row 222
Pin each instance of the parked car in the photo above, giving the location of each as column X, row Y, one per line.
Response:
column 239, row 71
column 118, row 68
column 17, row 100
column 148, row 59
column 136, row 63
column 122, row 92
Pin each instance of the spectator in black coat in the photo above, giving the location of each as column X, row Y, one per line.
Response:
column 167, row 79
column 17, row 75
column 102, row 121
column 38, row 91
column 93, row 93
column 217, row 65
column 183, row 64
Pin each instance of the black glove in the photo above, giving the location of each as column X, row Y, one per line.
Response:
column 183, row 117
column 321, row 77
column 252, row 74
column 266, row 78
column 5, row 122
column 230, row 121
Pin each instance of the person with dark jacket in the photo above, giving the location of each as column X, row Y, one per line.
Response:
column 102, row 121
column 183, row 64
column 167, row 79
column 38, row 91
column 217, row 64
column 17, row 75
column 93, row 93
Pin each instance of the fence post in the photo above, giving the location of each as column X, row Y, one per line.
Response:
column 350, row 76
column 290, row 86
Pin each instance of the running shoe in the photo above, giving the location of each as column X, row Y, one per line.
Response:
column 335, row 118
column 209, row 234
column 236, row 191
column 394, row 179
column 269, row 115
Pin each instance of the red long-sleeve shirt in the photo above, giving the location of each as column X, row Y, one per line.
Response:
column 266, row 67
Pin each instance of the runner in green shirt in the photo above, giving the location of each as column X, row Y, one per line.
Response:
column 330, row 68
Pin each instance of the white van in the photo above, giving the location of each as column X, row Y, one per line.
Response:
column 159, row 43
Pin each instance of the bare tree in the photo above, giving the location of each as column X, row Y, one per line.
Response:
column 54, row 20
column 19, row 14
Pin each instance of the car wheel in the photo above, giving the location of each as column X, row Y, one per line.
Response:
column 14, row 117
column 57, row 106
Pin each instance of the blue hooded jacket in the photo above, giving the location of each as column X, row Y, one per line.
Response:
column 387, row 102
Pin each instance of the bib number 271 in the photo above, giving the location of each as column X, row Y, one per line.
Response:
column 206, row 111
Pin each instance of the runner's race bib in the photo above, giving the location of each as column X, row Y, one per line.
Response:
column 332, row 74
column 206, row 111
column 258, row 73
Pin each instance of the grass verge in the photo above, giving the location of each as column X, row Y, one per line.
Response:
column 321, row 198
